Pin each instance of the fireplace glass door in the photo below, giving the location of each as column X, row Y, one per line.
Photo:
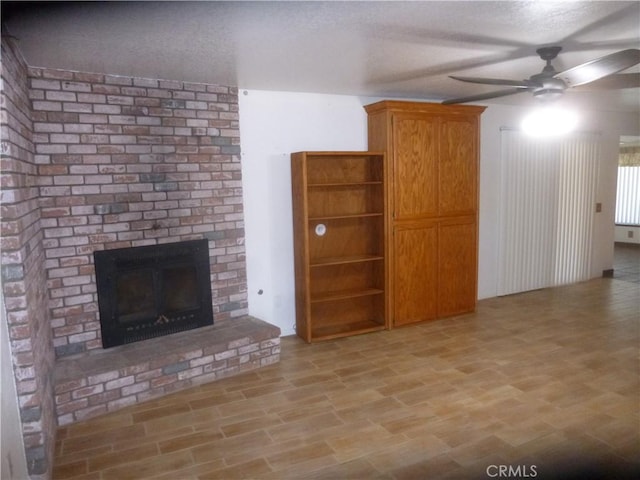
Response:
column 145, row 292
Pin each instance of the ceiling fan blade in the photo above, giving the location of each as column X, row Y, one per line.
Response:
column 494, row 81
column 600, row 67
column 613, row 82
column 483, row 96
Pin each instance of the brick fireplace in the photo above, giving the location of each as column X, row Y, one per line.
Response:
column 93, row 162
column 125, row 162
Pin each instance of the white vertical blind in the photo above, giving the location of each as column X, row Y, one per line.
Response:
column 578, row 173
column 527, row 181
column 548, row 195
column 628, row 196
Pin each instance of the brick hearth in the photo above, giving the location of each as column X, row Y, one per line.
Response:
column 101, row 381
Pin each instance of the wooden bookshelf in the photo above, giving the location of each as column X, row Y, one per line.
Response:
column 339, row 213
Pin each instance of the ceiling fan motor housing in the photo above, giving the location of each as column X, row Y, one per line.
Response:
column 548, row 53
column 550, row 88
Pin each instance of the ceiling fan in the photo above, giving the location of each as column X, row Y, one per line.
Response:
column 549, row 85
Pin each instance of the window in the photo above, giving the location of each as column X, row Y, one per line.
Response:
column 628, row 190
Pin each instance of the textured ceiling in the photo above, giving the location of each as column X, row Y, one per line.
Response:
column 383, row 49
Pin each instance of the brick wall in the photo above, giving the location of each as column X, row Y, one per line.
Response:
column 130, row 161
column 23, row 274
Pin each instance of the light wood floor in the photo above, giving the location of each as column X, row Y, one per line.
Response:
column 546, row 382
column 626, row 262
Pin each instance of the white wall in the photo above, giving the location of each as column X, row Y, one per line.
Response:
column 274, row 124
column 622, row 233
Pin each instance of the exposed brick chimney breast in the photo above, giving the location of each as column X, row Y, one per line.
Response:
column 127, row 162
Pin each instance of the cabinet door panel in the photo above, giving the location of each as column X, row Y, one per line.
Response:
column 457, row 268
column 458, row 167
column 415, row 270
column 415, row 185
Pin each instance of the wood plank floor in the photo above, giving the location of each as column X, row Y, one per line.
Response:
column 545, row 383
column 626, row 262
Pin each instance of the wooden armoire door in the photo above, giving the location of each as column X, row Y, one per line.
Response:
column 415, row 289
column 415, row 167
column 457, row 266
column 458, row 166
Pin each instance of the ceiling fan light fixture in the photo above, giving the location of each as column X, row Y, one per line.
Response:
column 548, row 121
column 548, row 94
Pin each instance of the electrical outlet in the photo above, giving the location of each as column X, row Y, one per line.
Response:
column 598, row 207
column 629, row 233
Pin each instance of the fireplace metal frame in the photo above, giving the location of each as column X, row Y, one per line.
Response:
column 155, row 260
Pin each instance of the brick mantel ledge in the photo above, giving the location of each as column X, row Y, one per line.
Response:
column 102, row 381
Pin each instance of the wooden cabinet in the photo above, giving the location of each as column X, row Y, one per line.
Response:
column 339, row 219
column 433, row 154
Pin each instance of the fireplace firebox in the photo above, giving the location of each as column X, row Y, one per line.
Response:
column 155, row 290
